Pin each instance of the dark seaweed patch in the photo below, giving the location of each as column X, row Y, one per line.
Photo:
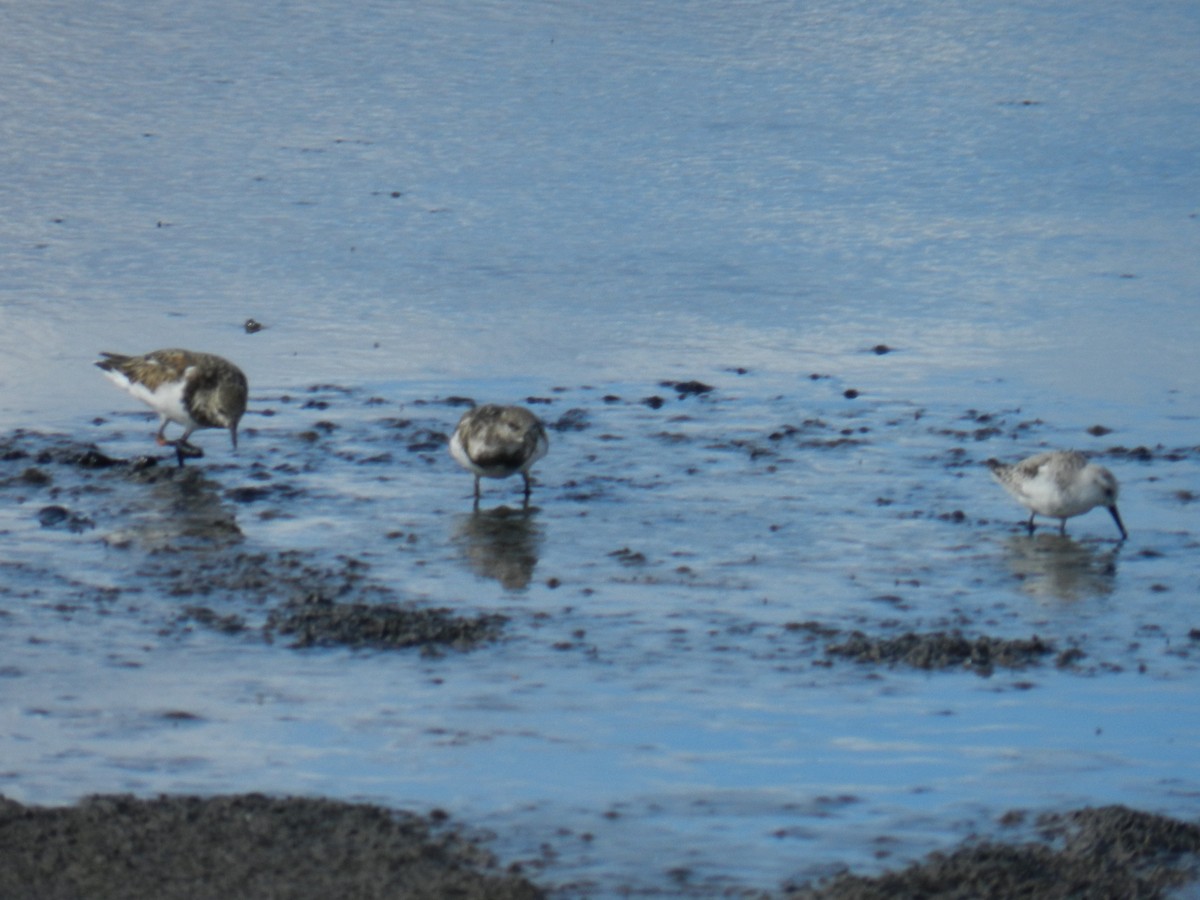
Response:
column 942, row 650
column 318, row 621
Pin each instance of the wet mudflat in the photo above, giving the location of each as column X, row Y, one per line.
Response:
column 683, row 669
column 780, row 278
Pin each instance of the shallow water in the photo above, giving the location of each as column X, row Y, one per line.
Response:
column 590, row 203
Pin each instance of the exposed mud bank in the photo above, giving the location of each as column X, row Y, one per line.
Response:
column 117, row 846
column 186, row 848
column 1105, row 853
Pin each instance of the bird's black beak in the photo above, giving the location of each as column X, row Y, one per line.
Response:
column 1117, row 518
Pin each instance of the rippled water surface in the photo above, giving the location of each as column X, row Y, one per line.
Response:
column 578, row 208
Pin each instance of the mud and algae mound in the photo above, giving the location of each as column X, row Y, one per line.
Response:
column 318, row 621
column 942, row 650
column 246, row 845
column 1102, row 853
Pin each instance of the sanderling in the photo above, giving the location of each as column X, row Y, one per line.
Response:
column 1060, row 484
column 497, row 441
column 197, row 390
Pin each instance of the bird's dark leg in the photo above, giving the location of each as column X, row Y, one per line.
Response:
column 183, row 450
column 1062, row 527
column 1029, row 524
column 476, row 492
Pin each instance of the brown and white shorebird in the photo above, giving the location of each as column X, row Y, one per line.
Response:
column 1059, row 484
column 497, row 441
column 197, row 390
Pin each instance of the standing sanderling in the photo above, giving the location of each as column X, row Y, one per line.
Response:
column 497, row 441
column 1060, row 484
column 197, row 390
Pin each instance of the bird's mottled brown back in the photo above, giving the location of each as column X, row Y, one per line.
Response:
column 501, row 437
column 153, row 369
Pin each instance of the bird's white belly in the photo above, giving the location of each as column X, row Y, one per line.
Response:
column 459, row 452
column 1045, row 497
column 166, row 400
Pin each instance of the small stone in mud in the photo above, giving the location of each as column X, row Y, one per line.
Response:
column 881, row 349
column 814, row 629
column 1069, row 657
column 629, row 557
column 53, row 516
column 574, row 419
column 1099, row 431
column 252, row 326
column 426, row 441
column 230, row 624
column 1141, row 454
column 35, row 476
column 689, row 388
column 180, row 715
column 850, row 393
column 654, row 402
column 248, row 494
column 92, row 458
column 50, row 516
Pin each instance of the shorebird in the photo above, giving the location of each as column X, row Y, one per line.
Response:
column 497, row 441
column 197, row 390
column 1059, row 484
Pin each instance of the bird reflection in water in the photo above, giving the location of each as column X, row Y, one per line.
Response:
column 182, row 509
column 500, row 543
column 1057, row 567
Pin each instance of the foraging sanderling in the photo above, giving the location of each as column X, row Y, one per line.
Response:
column 1060, row 484
column 497, row 441
column 197, row 390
